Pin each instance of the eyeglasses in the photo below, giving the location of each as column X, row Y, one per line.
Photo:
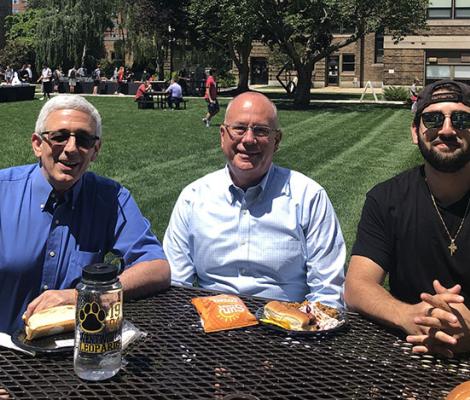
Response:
column 435, row 119
column 60, row 138
column 259, row 131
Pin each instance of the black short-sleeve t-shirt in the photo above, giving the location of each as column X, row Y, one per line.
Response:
column 401, row 231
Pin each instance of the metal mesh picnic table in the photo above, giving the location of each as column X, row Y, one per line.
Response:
column 177, row 360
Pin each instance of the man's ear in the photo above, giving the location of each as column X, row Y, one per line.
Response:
column 222, row 137
column 414, row 133
column 36, row 142
column 96, row 150
column 277, row 140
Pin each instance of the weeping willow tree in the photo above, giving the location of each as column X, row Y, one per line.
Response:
column 153, row 27
column 72, row 31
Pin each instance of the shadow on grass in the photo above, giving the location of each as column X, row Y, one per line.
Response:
column 285, row 101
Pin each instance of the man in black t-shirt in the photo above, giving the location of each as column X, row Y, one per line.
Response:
column 415, row 228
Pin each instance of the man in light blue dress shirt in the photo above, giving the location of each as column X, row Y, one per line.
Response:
column 255, row 228
column 55, row 218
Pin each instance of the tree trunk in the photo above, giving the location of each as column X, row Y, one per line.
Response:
column 304, row 84
column 243, row 73
column 83, row 55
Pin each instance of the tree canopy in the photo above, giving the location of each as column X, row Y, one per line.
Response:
column 304, row 29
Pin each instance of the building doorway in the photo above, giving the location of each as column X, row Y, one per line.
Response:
column 332, row 78
column 259, row 71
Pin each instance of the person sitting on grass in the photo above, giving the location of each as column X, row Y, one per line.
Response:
column 255, row 228
column 415, row 228
column 57, row 218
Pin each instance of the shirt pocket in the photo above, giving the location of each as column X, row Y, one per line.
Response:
column 282, row 260
column 77, row 261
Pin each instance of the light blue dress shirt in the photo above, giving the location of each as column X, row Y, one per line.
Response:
column 280, row 239
column 45, row 241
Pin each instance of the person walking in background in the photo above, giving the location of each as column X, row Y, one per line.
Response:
column 46, row 80
column 120, row 80
column 72, row 75
column 414, row 94
column 9, row 74
column 96, row 76
column 211, row 98
column 30, row 73
column 57, row 75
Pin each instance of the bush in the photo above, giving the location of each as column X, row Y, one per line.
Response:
column 226, row 80
column 396, row 93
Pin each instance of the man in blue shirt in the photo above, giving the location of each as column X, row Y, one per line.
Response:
column 55, row 218
column 253, row 227
column 175, row 94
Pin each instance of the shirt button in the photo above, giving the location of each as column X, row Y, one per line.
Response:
column 245, row 212
column 42, row 206
column 52, row 253
column 57, row 222
column 45, row 287
column 242, row 242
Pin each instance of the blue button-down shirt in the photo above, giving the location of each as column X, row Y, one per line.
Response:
column 46, row 240
column 280, row 239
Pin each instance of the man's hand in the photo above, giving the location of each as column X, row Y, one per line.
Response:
column 51, row 298
column 4, row 394
column 447, row 328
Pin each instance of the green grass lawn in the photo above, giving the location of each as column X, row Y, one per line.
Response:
column 155, row 153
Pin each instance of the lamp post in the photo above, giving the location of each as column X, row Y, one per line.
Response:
column 170, row 42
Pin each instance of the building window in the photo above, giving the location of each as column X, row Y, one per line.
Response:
column 379, row 47
column 462, row 9
column 349, row 63
column 447, row 9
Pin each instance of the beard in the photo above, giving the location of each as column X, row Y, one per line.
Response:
column 444, row 162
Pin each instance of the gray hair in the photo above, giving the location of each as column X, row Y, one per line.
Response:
column 68, row 102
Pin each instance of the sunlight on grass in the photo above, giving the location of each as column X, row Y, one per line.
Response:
column 155, row 153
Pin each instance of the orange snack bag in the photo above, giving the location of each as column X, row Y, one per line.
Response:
column 222, row 312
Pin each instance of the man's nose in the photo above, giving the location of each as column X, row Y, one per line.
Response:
column 447, row 127
column 249, row 136
column 71, row 144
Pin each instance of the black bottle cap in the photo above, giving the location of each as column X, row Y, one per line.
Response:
column 100, row 273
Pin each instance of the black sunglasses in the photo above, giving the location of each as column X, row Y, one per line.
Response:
column 435, row 119
column 60, row 138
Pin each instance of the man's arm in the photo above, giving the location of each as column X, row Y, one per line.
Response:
column 145, row 278
column 365, row 294
column 176, row 243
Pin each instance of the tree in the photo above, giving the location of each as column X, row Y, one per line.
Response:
column 153, row 27
column 21, row 37
column 236, row 27
column 72, row 30
column 304, row 29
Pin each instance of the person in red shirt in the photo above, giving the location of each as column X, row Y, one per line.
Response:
column 144, row 93
column 211, row 98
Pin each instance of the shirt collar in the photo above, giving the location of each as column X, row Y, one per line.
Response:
column 43, row 189
column 257, row 190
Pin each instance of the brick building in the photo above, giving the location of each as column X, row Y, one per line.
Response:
column 442, row 51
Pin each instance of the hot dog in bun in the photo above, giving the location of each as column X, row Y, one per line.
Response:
column 287, row 315
column 50, row 321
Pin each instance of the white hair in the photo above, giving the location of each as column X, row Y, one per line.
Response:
column 68, row 102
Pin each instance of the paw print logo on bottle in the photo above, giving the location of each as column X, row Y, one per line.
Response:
column 92, row 318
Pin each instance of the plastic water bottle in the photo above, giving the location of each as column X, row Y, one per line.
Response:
column 98, row 342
